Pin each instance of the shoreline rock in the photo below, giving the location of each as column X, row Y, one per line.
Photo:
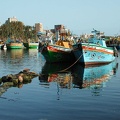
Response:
column 16, row 80
column 24, row 76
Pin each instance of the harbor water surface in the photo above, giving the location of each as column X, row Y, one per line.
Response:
column 78, row 93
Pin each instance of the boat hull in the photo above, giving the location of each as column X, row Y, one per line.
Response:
column 54, row 53
column 14, row 45
column 31, row 45
column 93, row 54
column 1, row 46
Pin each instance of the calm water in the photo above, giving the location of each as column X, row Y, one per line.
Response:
column 78, row 93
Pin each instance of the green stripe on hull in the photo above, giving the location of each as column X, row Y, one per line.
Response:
column 14, row 47
column 52, row 57
column 31, row 45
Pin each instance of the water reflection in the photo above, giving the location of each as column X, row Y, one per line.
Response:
column 15, row 53
column 32, row 52
column 54, row 72
column 79, row 76
column 11, row 56
column 66, row 77
column 93, row 77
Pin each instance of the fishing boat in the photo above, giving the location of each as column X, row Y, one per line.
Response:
column 4, row 47
column 31, row 45
column 59, row 51
column 1, row 44
column 14, row 44
column 95, row 50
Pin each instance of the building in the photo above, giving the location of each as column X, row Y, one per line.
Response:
column 58, row 27
column 13, row 19
column 38, row 27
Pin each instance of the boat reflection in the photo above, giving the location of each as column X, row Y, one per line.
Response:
column 93, row 75
column 16, row 53
column 78, row 76
column 54, row 72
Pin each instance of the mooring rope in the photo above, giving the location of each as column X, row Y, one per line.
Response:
column 72, row 64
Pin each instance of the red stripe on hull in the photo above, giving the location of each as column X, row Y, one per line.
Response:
column 96, row 63
column 96, row 50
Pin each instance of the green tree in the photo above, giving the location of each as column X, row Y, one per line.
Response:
column 16, row 30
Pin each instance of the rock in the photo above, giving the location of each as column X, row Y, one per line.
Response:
column 15, row 82
column 18, row 80
column 26, row 70
column 22, row 77
column 7, row 78
column 7, row 84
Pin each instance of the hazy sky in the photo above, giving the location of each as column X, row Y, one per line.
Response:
column 80, row 16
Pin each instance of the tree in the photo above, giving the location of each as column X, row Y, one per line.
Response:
column 16, row 30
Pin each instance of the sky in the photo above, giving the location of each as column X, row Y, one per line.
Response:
column 80, row 16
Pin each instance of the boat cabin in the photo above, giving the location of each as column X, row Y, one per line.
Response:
column 97, row 38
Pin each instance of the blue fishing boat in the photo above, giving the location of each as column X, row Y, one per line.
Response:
column 94, row 51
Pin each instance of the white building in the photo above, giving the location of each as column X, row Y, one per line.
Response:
column 13, row 19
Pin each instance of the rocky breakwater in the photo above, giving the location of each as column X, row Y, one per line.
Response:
column 16, row 80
